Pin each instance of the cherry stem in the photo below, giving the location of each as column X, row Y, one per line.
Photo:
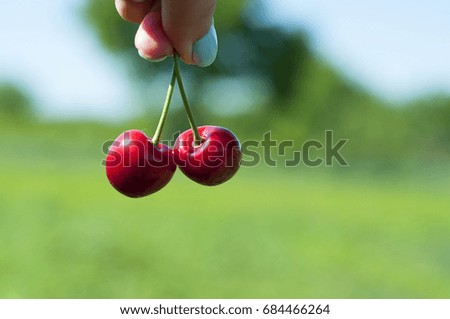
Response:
column 162, row 119
column 187, row 107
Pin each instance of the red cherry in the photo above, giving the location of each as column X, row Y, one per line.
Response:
column 136, row 167
column 214, row 161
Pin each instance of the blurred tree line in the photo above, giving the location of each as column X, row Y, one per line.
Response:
column 15, row 104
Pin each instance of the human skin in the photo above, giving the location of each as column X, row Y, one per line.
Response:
column 168, row 26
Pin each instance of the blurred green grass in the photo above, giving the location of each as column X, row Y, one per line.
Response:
column 65, row 233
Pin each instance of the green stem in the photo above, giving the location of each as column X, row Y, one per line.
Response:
column 187, row 107
column 162, row 119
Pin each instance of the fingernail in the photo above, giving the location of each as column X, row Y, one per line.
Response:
column 141, row 53
column 204, row 50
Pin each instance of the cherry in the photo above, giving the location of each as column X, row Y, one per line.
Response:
column 214, row 161
column 136, row 167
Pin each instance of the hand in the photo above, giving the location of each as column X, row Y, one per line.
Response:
column 168, row 26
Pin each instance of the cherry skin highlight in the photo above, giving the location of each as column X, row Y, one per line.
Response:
column 214, row 161
column 136, row 167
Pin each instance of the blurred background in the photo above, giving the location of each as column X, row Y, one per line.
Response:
column 376, row 73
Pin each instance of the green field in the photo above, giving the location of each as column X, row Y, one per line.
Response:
column 268, row 233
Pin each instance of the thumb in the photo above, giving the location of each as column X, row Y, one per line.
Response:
column 190, row 28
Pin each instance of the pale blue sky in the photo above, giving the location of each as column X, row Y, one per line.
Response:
column 397, row 49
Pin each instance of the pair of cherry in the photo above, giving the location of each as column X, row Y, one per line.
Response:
column 137, row 165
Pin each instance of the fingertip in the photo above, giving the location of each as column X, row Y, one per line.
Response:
column 143, row 55
column 187, row 22
column 151, row 41
column 204, row 50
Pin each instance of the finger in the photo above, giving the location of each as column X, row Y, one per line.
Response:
column 190, row 28
column 151, row 41
column 133, row 10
